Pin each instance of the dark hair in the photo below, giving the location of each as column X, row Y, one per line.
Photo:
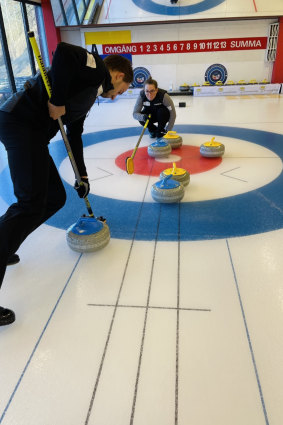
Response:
column 121, row 64
column 151, row 81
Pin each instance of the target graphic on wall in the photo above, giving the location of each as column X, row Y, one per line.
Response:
column 215, row 73
column 140, row 76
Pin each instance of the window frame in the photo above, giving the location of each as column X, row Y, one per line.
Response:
column 5, row 48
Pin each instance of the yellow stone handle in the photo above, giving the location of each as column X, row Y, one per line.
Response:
column 212, row 143
column 171, row 135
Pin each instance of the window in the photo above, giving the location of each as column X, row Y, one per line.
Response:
column 5, row 89
column 18, row 18
column 74, row 12
column 17, row 45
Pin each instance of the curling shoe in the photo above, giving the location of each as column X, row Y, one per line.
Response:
column 13, row 259
column 160, row 134
column 6, row 316
column 152, row 134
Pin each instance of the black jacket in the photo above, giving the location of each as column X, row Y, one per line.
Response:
column 75, row 77
column 150, row 107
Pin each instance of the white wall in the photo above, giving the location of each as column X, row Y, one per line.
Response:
column 190, row 68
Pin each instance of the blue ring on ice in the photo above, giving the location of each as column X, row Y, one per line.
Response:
column 256, row 211
column 159, row 9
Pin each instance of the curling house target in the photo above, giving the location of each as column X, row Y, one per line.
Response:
column 237, row 214
column 160, row 9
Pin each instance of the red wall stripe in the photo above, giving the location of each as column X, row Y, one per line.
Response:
column 277, row 74
column 186, row 46
column 53, row 36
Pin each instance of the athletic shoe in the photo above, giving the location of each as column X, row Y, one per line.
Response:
column 152, row 135
column 6, row 316
column 160, row 134
column 13, row 259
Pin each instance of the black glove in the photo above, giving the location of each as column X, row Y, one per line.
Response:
column 83, row 188
column 145, row 117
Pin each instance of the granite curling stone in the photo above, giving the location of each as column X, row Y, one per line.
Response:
column 159, row 149
column 212, row 149
column 88, row 234
column 167, row 191
column 173, row 139
column 179, row 174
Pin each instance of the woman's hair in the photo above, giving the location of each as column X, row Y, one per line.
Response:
column 121, row 64
column 151, row 81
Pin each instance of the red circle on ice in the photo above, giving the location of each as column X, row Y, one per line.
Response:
column 190, row 159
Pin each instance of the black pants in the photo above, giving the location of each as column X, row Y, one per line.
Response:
column 37, row 185
column 161, row 117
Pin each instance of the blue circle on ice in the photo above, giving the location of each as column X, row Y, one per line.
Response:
column 160, row 9
column 256, row 211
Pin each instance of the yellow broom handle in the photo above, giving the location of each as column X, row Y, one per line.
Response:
column 40, row 62
column 64, row 135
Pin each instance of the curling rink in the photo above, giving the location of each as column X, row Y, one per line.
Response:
column 160, row 10
column 179, row 319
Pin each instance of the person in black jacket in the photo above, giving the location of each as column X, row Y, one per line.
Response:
column 156, row 102
column 28, row 121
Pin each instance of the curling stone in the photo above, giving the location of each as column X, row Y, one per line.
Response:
column 184, row 87
column 172, row 138
column 88, row 234
column 212, row 149
column 159, row 149
column 167, row 190
column 178, row 174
